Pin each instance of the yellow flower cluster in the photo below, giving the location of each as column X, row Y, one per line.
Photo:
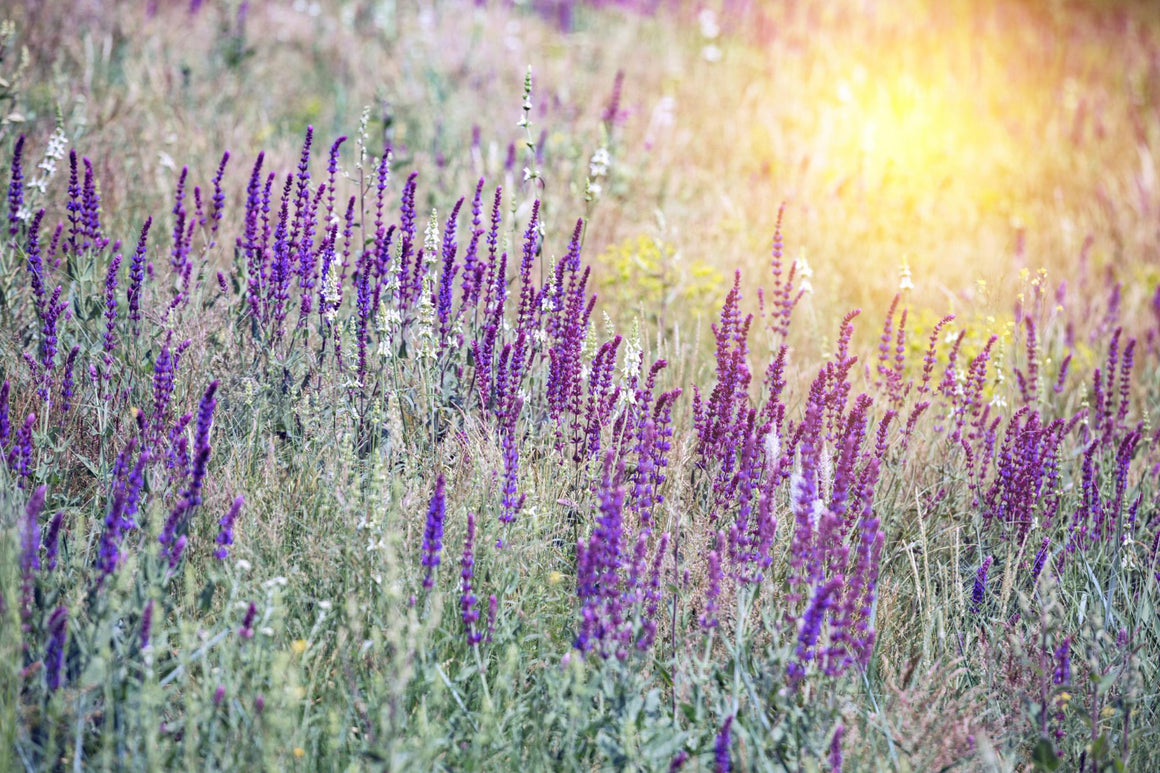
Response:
column 646, row 273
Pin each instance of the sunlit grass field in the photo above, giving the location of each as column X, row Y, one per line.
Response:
column 580, row 385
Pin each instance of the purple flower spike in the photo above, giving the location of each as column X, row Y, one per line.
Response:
column 54, row 654
column 126, row 490
column 433, row 535
column 836, row 750
column 467, row 599
column 201, row 448
column 225, row 536
column 67, row 384
column 109, row 342
column 5, row 422
column 492, row 608
column 180, row 249
column 75, row 209
column 137, row 277
column 512, row 501
column 331, row 172
column 205, row 416
column 35, row 263
column 16, row 188
column 29, row 559
column 48, row 339
column 20, row 454
column 709, row 618
column 980, row 590
column 811, row 627
column 178, row 519
column 247, row 629
column 219, row 197
column 91, row 209
column 721, row 761
column 52, row 540
column 1040, row 560
column 30, row 538
column 1062, row 674
column 146, row 624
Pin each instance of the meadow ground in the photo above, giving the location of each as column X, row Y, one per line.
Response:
column 580, row 385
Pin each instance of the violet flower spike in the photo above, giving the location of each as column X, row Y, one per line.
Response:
column 16, row 189
column 492, row 608
column 219, row 199
column 52, row 541
column 109, row 342
column 1040, row 560
column 137, row 277
column 5, row 421
column 67, row 384
column 433, row 534
column 48, row 336
column 978, row 594
column 91, row 204
column 836, row 750
column 225, row 536
column 20, row 454
column 721, row 760
column 205, row 411
column 146, row 625
column 1062, row 673
column 54, row 653
column 331, row 172
column 246, row 631
column 178, row 253
column 75, row 210
column 709, row 618
column 467, row 599
column 29, row 561
column 30, row 536
column 35, row 263
column 811, row 627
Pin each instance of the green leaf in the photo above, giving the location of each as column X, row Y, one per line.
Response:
column 1100, row 748
column 205, row 598
column 1044, row 756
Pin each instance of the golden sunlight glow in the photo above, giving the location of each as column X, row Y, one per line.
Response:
column 901, row 131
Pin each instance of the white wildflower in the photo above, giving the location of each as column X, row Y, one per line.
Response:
column 633, row 355
column 431, row 236
column 805, row 273
column 598, row 165
column 905, row 282
column 708, row 23
column 825, row 470
column 772, row 445
column 394, row 417
column 329, row 295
